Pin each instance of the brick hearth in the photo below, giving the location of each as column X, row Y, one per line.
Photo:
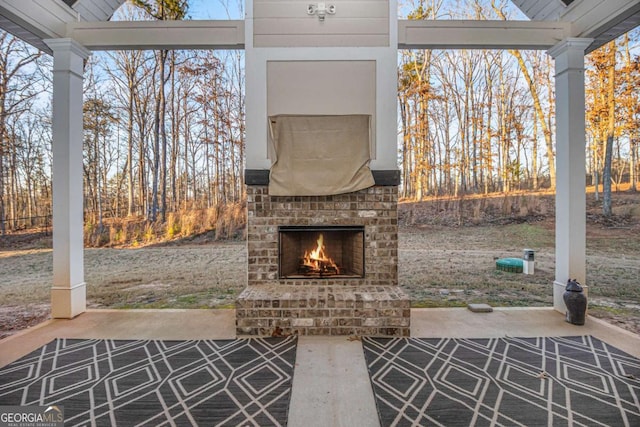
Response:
column 323, row 310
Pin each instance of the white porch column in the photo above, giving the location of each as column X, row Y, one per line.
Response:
column 68, row 293
column 570, row 165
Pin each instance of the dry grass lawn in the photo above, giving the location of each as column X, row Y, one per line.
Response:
column 439, row 265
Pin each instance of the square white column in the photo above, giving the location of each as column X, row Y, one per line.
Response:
column 68, row 293
column 570, row 166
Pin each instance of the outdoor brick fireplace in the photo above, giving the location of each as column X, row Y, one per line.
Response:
column 321, row 173
column 361, row 299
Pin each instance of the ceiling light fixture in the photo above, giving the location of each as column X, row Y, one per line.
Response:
column 321, row 9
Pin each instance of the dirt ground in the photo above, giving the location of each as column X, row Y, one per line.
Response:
column 447, row 257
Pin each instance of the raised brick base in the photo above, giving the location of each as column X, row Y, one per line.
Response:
column 323, row 310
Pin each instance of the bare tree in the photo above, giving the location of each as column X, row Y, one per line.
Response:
column 611, row 128
column 601, row 114
column 17, row 88
column 127, row 76
column 630, row 107
column 533, row 88
column 161, row 10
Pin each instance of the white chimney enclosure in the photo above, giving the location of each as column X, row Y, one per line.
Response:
column 299, row 64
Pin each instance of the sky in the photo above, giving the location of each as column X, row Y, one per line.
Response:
column 207, row 9
column 216, row 9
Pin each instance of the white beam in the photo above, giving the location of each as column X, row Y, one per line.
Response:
column 230, row 34
column 467, row 34
column 148, row 35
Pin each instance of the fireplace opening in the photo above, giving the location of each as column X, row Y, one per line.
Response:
column 321, row 252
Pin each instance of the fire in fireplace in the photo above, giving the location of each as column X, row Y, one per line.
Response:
column 321, row 252
column 317, row 262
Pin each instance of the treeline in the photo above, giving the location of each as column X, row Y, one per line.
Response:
column 163, row 135
column 25, row 135
column 482, row 121
column 164, row 130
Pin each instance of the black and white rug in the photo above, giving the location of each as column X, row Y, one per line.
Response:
column 563, row 381
column 157, row 383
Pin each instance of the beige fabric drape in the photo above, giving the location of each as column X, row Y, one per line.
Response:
column 319, row 155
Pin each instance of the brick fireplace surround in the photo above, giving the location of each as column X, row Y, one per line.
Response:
column 373, row 305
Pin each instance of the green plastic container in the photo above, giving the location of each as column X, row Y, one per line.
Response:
column 512, row 265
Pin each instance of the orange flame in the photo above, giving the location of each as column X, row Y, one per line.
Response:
column 317, row 259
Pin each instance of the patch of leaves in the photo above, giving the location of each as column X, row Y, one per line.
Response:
column 612, row 221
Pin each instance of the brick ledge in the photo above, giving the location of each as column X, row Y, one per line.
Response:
column 323, row 310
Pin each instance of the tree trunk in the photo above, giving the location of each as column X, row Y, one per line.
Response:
column 633, row 161
column 487, row 154
column 175, row 135
column 534, row 154
column 632, row 116
column 3, row 226
column 130, row 183
column 504, row 146
column 158, row 189
column 163, row 134
column 606, row 173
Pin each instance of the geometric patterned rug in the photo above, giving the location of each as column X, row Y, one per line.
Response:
column 157, row 383
column 561, row 381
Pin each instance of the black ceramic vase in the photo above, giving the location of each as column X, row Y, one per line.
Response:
column 576, row 302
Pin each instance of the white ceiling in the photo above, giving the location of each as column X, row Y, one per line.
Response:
column 541, row 10
column 35, row 20
column 601, row 20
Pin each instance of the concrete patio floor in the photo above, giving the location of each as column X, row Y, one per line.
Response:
column 330, row 386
